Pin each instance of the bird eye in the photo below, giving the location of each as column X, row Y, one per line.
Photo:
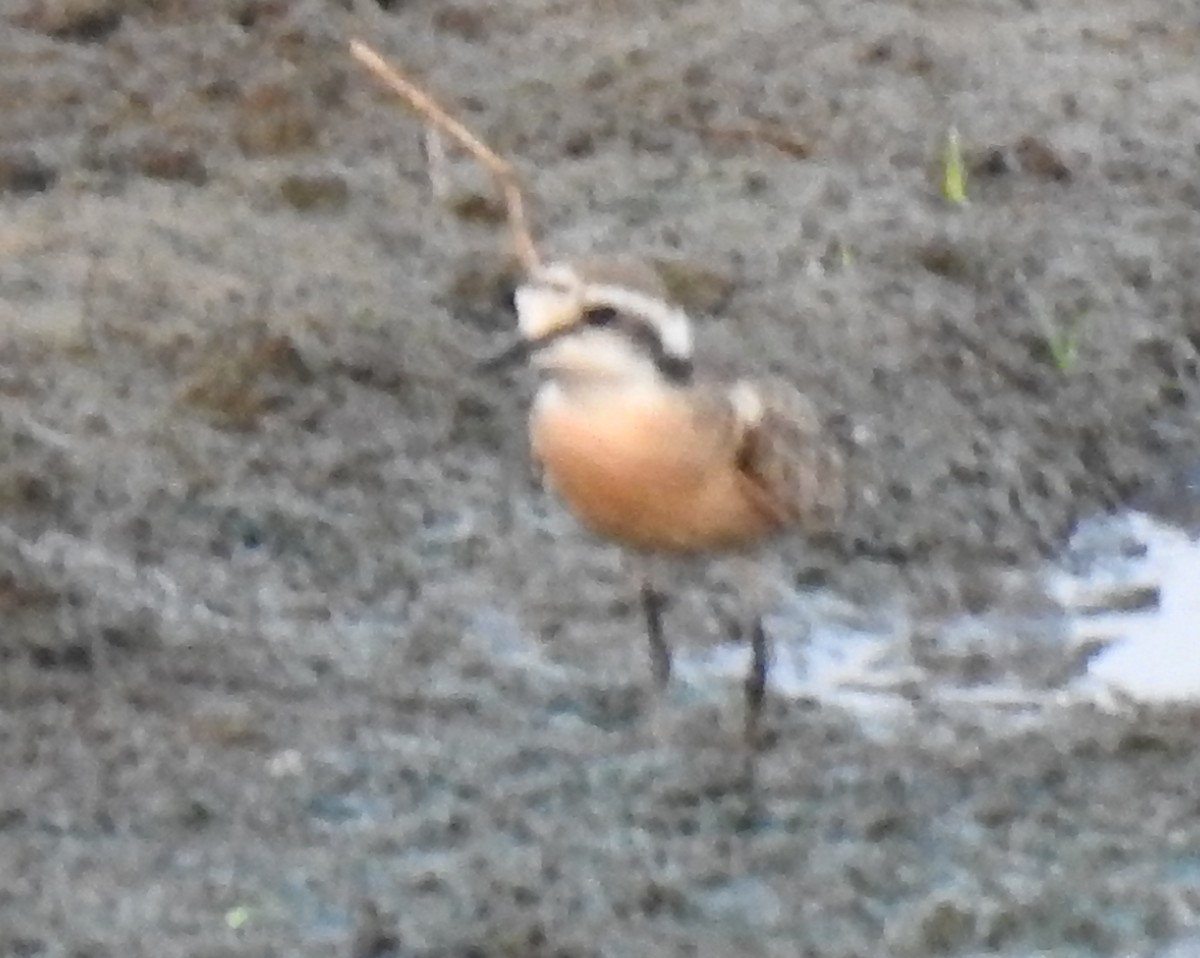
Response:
column 599, row 315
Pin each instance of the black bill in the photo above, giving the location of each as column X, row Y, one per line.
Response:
column 520, row 351
column 512, row 354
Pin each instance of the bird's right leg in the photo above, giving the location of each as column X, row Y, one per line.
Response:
column 756, row 681
column 647, row 572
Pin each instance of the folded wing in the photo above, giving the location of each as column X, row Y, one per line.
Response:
column 790, row 463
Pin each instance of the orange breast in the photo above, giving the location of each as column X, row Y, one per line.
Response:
column 641, row 470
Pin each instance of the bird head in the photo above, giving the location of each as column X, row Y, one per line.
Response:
column 601, row 319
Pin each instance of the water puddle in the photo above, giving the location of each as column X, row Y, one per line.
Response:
column 1148, row 633
column 1116, row 620
column 1124, row 625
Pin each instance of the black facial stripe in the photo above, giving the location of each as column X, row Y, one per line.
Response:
column 600, row 315
column 676, row 369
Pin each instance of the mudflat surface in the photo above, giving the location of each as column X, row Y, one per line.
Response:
column 296, row 658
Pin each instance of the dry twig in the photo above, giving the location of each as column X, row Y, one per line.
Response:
column 436, row 115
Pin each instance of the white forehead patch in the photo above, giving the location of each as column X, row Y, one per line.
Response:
column 547, row 300
column 537, row 308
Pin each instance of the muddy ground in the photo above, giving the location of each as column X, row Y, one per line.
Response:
column 296, row 658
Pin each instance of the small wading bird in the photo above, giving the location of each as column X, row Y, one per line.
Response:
column 642, row 451
column 654, row 457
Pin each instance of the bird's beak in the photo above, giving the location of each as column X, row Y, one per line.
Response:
column 520, row 351
column 517, row 351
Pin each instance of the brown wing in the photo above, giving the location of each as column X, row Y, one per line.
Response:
column 790, row 463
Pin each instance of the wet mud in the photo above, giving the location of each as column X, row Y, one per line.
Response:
column 297, row 658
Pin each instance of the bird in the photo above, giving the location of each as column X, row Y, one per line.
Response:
column 655, row 454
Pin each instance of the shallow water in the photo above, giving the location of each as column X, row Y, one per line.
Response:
column 1150, row 654
column 1124, row 623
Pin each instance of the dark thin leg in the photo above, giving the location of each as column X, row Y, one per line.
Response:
column 756, row 680
column 653, row 602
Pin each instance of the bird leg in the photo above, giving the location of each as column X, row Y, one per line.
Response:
column 756, row 680
column 653, row 604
